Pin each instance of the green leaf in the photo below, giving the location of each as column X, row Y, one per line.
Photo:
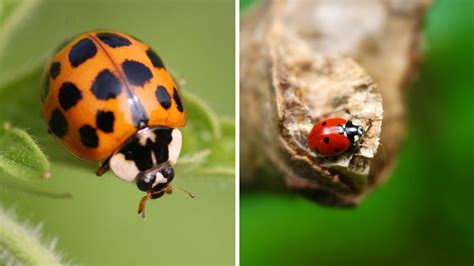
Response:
column 202, row 117
column 218, row 159
column 20, row 156
column 222, row 158
column 20, row 102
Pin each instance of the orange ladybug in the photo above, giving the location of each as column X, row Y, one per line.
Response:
column 107, row 97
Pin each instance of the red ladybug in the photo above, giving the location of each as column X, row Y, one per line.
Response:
column 334, row 136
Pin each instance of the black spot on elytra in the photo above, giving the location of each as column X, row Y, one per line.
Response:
column 113, row 40
column 55, row 69
column 142, row 154
column 106, row 85
column 163, row 97
column 326, row 140
column 105, row 121
column 136, row 72
column 44, row 88
column 177, row 99
column 69, row 95
column 58, row 124
column 82, row 51
column 154, row 58
column 324, row 123
column 89, row 136
column 336, row 149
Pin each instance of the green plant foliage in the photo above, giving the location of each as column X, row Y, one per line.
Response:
column 20, row 156
column 203, row 127
column 245, row 4
column 22, row 245
column 221, row 161
column 6, row 9
column 99, row 224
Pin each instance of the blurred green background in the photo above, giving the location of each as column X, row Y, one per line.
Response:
column 424, row 215
column 99, row 225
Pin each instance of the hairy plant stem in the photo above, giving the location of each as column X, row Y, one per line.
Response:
column 22, row 244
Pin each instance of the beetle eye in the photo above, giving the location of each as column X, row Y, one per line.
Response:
column 145, row 181
column 360, row 131
column 167, row 173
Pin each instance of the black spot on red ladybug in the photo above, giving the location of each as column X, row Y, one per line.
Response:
column 89, row 136
column 154, row 58
column 55, row 69
column 324, row 123
column 69, row 95
column 336, row 149
column 58, row 124
column 163, row 97
column 105, row 121
column 113, row 40
column 106, row 85
column 82, row 51
column 177, row 99
column 326, row 140
column 136, row 72
column 44, row 88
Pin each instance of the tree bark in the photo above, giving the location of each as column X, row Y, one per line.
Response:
column 302, row 61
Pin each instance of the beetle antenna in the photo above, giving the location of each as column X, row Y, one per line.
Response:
column 168, row 189
column 184, row 190
column 142, row 204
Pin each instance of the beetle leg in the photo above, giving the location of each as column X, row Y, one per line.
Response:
column 104, row 167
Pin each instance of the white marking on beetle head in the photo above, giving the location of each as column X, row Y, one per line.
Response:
column 160, row 179
column 123, row 168
column 356, row 138
column 174, row 148
column 145, row 135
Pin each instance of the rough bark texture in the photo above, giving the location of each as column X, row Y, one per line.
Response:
column 302, row 61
